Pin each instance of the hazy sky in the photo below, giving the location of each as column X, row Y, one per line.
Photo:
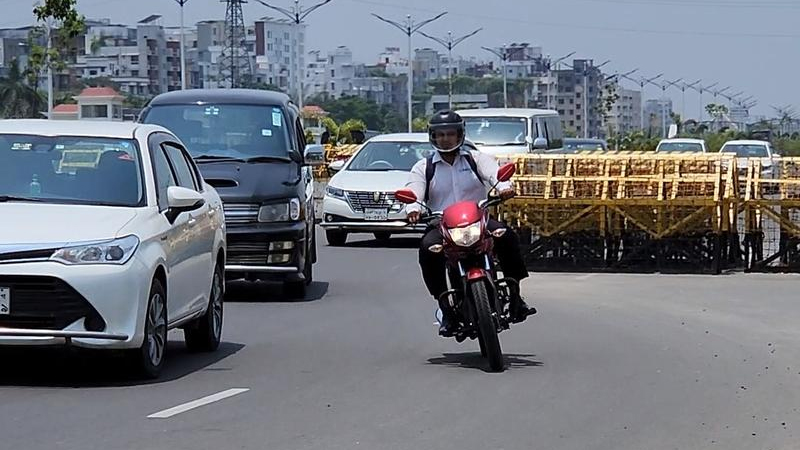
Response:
column 751, row 45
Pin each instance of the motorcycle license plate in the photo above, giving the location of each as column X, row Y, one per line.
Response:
column 376, row 214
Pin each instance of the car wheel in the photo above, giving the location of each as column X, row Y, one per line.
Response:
column 149, row 358
column 297, row 289
column 336, row 238
column 205, row 334
column 382, row 235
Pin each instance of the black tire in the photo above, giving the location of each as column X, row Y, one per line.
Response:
column 482, row 345
column 205, row 334
column 336, row 238
column 382, row 236
column 486, row 326
column 148, row 359
column 296, row 290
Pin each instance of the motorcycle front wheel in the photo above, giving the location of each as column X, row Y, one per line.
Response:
column 487, row 337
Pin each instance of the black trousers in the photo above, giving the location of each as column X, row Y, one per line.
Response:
column 433, row 264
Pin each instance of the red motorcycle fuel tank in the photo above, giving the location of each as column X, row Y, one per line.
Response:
column 461, row 214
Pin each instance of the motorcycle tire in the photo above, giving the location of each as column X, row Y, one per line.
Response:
column 488, row 339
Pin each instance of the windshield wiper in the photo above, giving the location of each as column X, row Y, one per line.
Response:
column 216, row 158
column 15, row 198
column 264, row 158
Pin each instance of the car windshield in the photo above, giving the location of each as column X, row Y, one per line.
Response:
column 226, row 130
column 496, row 130
column 584, row 145
column 72, row 170
column 746, row 150
column 384, row 156
column 680, row 147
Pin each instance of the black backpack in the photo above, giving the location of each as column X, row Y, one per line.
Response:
column 430, row 170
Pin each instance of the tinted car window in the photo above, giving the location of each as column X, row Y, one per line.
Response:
column 182, row 169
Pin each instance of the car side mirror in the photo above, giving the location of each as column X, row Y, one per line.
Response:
column 314, row 155
column 336, row 165
column 540, row 143
column 181, row 200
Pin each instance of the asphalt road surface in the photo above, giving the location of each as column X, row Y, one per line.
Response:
column 610, row 362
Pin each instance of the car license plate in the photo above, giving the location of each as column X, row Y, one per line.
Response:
column 376, row 214
column 5, row 300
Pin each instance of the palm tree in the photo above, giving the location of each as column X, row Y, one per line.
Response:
column 18, row 99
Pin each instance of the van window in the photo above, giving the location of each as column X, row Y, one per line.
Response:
column 227, row 130
column 553, row 131
column 496, row 130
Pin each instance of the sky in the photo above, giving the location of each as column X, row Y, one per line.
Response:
column 750, row 45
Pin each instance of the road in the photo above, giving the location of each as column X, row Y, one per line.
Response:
column 610, row 362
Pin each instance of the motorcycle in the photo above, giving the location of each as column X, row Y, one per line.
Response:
column 481, row 301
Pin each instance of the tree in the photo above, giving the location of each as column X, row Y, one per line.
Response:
column 346, row 130
column 419, row 124
column 376, row 117
column 18, row 99
column 59, row 25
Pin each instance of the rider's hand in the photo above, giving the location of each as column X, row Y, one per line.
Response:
column 413, row 217
column 506, row 194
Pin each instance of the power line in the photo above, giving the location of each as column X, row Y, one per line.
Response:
column 563, row 25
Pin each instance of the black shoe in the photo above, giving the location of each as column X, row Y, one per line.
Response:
column 522, row 311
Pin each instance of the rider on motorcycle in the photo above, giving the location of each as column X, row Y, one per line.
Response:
column 455, row 173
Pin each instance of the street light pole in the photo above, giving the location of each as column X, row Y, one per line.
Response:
column 409, row 28
column 683, row 96
column 297, row 14
column 449, row 44
column 549, row 75
column 586, row 97
column 503, row 57
column 183, row 48
column 700, row 90
column 642, row 81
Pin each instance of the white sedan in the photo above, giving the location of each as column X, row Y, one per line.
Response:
column 360, row 197
column 110, row 238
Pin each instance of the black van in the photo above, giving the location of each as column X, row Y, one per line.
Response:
column 250, row 145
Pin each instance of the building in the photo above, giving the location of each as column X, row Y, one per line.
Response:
column 625, row 115
column 94, row 103
column 280, row 53
column 427, row 66
column 460, row 101
column 658, row 116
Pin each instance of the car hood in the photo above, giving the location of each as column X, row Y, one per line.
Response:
column 388, row 181
column 742, row 162
column 41, row 223
column 237, row 182
column 504, row 149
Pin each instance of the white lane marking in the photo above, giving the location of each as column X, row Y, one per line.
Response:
column 167, row 413
column 585, row 277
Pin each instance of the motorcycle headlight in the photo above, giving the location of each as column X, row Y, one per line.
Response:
column 116, row 251
column 466, row 236
column 334, row 192
column 280, row 212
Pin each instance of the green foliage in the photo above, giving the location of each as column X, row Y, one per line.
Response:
column 381, row 118
column 58, row 21
column 18, row 100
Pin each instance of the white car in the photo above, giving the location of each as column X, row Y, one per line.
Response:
column 682, row 145
column 111, row 237
column 748, row 150
column 360, row 197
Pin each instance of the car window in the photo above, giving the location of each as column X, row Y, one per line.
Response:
column 227, row 130
column 182, row 170
column 746, row 150
column 164, row 176
column 71, row 169
column 496, row 130
column 555, row 134
column 384, row 156
column 680, row 147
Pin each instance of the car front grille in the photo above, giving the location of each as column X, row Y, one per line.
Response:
column 255, row 253
column 240, row 213
column 44, row 303
column 359, row 200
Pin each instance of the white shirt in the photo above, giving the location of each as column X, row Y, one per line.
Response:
column 456, row 183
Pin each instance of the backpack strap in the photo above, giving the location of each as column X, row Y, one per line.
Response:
column 430, row 169
column 473, row 165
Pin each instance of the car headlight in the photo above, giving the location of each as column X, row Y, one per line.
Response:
column 115, row 251
column 334, row 192
column 280, row 212
column 466, row 236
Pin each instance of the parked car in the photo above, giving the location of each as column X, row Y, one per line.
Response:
column 577, row 145
column 115, row 239
column 749, row 150
column 250, row 145
column 682, row 145
column 360, row 197
column 505, row 131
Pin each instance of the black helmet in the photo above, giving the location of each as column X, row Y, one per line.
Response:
column 446, row 120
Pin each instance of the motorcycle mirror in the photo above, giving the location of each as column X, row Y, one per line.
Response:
column 505, row 172
column 406, row 196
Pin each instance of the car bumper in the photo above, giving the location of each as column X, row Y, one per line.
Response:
column 90, row 306
column 338, row 215
column 266, row 251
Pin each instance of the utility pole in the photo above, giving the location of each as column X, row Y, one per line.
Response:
column 700, row 89
column 297, row 14
column 503, row 55
column 683, row 96
column 183, row 48
column 449, row 44
column 409, row 28
column 616, row 76
column 549, row 74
